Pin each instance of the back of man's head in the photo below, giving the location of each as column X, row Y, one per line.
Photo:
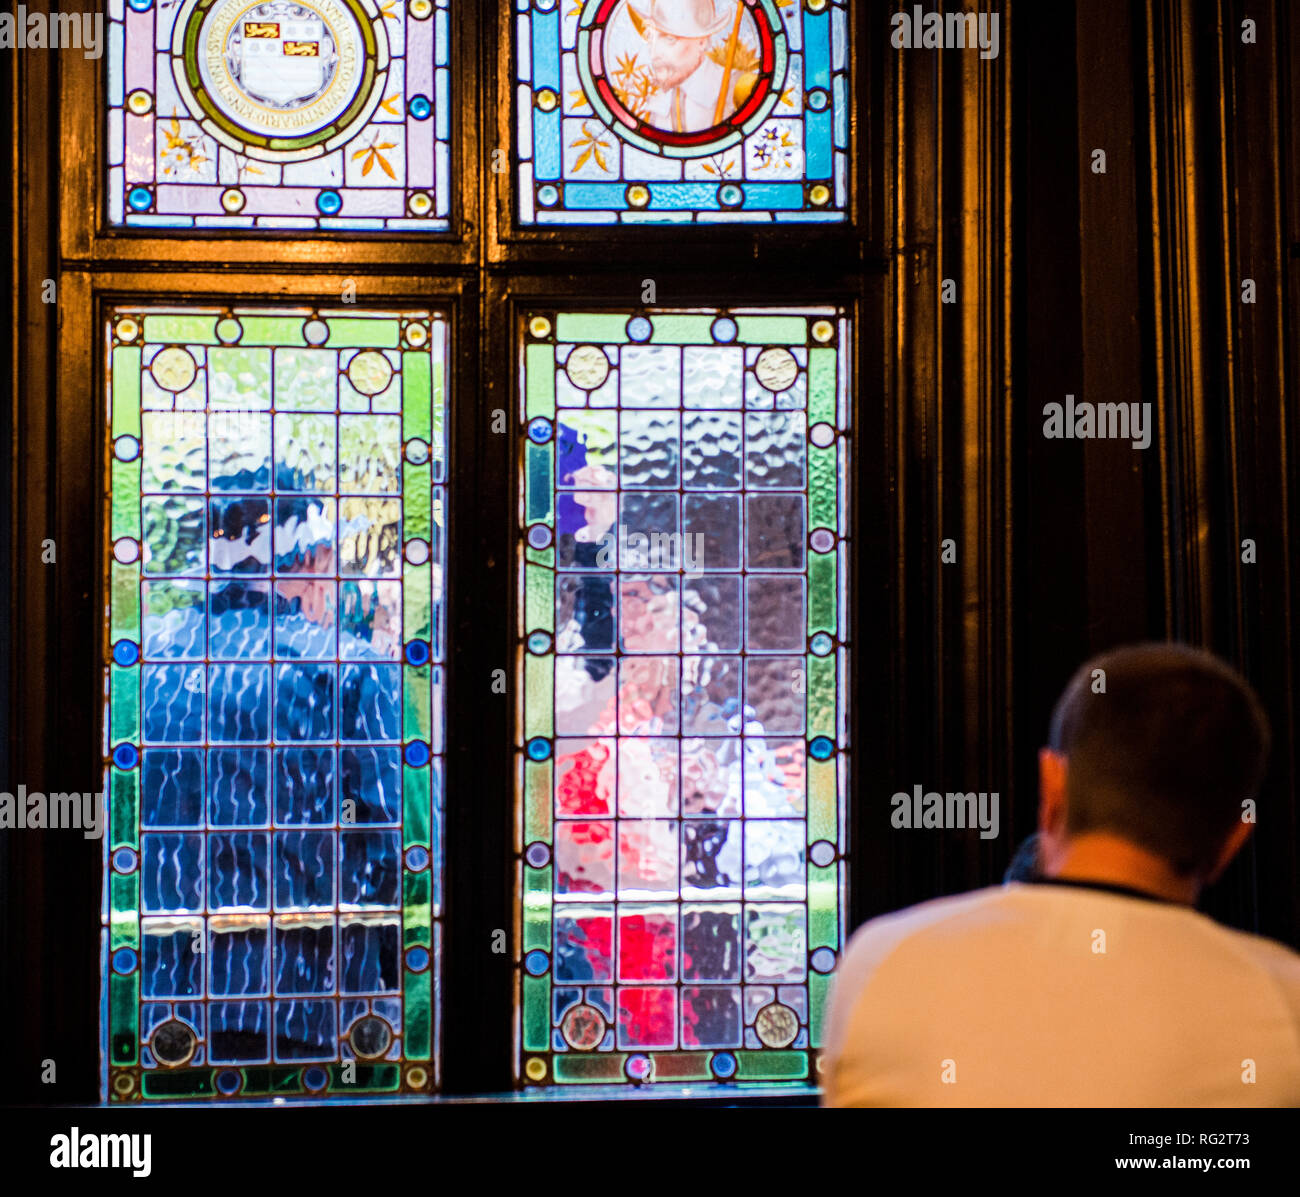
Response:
column 1165, row 754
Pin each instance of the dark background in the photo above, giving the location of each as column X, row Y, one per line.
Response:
column 1119, row 287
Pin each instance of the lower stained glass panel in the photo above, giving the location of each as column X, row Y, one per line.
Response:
column 273, row 728
column 683, row 658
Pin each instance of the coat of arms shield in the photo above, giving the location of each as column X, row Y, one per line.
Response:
column 281, row 54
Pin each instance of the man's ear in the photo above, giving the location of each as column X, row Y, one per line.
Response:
column 1052, row 770
column 1237, row 837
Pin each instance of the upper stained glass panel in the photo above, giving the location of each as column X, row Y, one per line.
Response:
column 278, row 114
column 681, row 110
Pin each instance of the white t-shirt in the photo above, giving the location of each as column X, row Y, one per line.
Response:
column 1005, row 997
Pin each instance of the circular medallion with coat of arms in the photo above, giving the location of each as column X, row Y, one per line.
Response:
column 280, row 80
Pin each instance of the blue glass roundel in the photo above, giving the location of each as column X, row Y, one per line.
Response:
column 539, row 642
column 548, row 195
column 126, row 448
column 417, row 754
column 124, row 960
column 724, row 329
column 125, row 860
column 822, row 853
column 126, row 756
column 823, row 960
column 140, row 198
column 539, row 748
column 419, row 107
column 417, row 652
column 315, row 1078
column 417, row 959
column 537, row 962
column 723, row 1065
column 139, row 5
column 540, row 430
column 417, row 858
column 639, row 329
column 126, row 652
column 730, row 195
column 821, row 748
column 329, row 203
column 228, row 1081
column 821, row 644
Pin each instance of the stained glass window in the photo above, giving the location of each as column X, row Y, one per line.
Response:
column 681, row 110
column 274, row 722
column 278, row 114
column 681, row 763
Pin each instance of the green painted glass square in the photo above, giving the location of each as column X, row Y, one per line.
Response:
column 126, row 391
column 124, row 696
column 541, row 381
column 123, row 1018
column 124, row 595
column 537, row 1015
column 821, row 386
column 415, row 804
column 272, row 330
column 124, row 808
column 539, row 680
column 356, row 333
column 821, row 593
column 416, row 405
column 416, row 909
column 417, row 703
column 175, row 329
column 417, row 508
column 823, row 476
column 537, row 801
column 540, row 484
column 417, row 1008
column 417, row 594
column 591, row 328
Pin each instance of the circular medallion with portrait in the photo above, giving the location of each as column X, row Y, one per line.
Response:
column 683, row 78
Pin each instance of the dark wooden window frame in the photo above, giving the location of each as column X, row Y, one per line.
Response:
column 963, row 169
column 479, row 273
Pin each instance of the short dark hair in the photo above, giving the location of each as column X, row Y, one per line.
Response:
column 1166, row 754
column 1024, row 861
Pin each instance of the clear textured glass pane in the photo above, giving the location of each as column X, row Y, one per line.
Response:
column 683, row 822
column 274, row 701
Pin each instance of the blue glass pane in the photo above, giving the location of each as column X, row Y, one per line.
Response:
column 304, row 786
column 304, row 870
column 171, row 785
column 237, row 787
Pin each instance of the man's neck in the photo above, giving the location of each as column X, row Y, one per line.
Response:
column 1110, row 860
